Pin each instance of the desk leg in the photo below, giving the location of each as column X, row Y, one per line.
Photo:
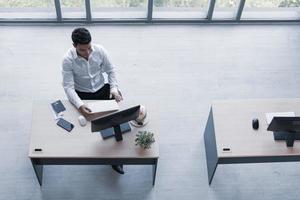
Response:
column 154, row 167
column 210, row 148
column 38, row 169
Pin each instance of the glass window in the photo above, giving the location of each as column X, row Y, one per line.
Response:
column 271, row 9
column 180, row 8
column 225, row 9
column 119, row 8
column 18, row 9
column 73, row 8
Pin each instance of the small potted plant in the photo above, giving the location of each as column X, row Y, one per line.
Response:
column 144, row 139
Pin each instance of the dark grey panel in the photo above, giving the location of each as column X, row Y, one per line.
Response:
column 94, row 161
column 259, row 159
column 210, row 147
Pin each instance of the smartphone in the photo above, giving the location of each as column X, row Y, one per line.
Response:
column 65, row 124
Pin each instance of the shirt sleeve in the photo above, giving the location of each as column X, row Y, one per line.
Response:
column 68, row 83
column 109, row 69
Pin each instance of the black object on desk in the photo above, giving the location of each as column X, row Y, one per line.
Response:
column 109, row 132
column 255, row 124
column 38, row 149
column 115, row 120
column 58, row 106
column 285, row 128
column 65, row 124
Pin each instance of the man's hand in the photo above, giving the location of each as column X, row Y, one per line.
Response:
column 117, row 95
column 85, row 111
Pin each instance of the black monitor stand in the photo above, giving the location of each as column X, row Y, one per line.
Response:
column 288, row 136
column 116, row 131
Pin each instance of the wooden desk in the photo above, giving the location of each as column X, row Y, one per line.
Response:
column 81, row 146
column 229, row 126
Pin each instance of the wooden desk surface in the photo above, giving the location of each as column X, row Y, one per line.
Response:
column 55, row 142
column 233, row 127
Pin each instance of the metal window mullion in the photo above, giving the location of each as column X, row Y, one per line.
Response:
column 58, row 10
column 240, row 10
column 88, row 10
column 150, row 10
column 211, row 9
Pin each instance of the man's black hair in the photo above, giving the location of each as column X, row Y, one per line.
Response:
column 81, row 36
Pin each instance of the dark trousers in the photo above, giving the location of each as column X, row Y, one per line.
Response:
column 102, row 94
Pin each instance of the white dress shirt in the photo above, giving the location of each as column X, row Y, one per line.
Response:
column 86, row 75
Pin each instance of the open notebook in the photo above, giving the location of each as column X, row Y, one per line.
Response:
column 103, row 106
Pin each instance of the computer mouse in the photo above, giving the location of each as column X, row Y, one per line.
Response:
column 82, row 120
column 255, row 123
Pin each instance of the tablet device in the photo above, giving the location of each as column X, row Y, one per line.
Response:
column 58, row 106
column 65, row 124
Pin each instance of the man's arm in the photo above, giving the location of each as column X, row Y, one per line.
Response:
column 111, row 75
column 68, row 84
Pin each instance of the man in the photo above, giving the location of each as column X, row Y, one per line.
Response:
column 82, row 70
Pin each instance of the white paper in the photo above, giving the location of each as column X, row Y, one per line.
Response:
column 270, row 116
column 103, row 106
